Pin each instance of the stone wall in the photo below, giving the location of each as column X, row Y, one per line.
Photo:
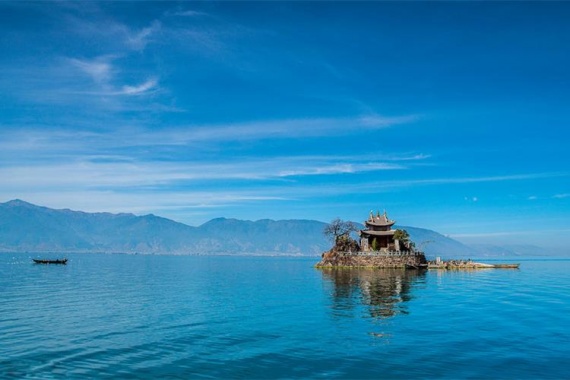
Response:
column 333, row 258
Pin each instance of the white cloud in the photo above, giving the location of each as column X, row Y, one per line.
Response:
column 340, row 168
column 37, row 148
column 140, row 89
column 103, row 73
column 192, row 134
column 121, row 172
column 389, row 185
column 505, row 233
column 40, row 145
column 139, row 40
column 94, row 24
column 561, row 196
column 189, row 13
column 378, row 121
column 488, row 234
column 462, row 180
column 414, row 157
column 99, row 69
column 276, row 129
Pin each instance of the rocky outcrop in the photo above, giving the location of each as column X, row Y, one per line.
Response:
column 334, row 258
column 467, row 264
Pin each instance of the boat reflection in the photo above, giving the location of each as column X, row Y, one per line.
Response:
column 384, row 291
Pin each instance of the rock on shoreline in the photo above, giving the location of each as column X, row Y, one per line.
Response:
column 334, row 258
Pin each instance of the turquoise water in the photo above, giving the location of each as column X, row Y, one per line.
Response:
column 120, row 316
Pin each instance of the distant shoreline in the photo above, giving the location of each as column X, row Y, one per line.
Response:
column 485, row 258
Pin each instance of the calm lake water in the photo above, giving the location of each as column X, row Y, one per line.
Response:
column 122, row 316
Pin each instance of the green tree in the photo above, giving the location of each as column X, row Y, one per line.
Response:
column 402, row 235
column 374, row 244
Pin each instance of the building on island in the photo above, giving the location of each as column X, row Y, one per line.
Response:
column 379, row 236
column 380, row 247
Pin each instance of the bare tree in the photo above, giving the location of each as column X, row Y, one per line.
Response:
column 337, row 228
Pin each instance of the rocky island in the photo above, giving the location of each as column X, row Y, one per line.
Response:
column 382, row 247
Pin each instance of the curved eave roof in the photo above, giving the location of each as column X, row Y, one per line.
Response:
column 381, row 224
column 376, row 233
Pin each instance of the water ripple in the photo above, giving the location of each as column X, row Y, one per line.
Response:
column 112, row 316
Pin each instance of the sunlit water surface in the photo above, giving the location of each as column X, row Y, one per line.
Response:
column 122, row 316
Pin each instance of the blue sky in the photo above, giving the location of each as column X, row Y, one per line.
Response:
column 452, row 116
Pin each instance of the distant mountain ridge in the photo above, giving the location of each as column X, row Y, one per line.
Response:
column 25, row 227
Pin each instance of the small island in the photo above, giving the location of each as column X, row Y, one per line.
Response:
column 382, row 247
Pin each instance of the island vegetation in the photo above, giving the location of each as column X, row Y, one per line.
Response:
column 379, row 246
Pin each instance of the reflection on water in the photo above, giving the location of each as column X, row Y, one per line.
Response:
column 384, row 291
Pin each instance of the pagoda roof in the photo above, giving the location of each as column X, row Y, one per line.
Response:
column 377, row 233
column 379, row 220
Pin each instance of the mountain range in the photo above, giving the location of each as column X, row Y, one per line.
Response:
column 25, row 227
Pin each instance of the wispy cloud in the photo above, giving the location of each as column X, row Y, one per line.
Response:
column 414, row 157
column 62, row 139
column 138, row 40
column 282, row 129
column 187, row 13
column 389, row 185
column 103, row 73
column 489, row 234
column 340, row 168
column 561, row 196
column 99, row 69
column 37, row 146
column 92, row 22
column 142, row 88
column 378, row 121
column 466, row 180
column 108, row 48
column 41, row 145
column 116, row 171
column 505, row 233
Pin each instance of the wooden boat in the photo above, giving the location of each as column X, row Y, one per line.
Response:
column 39, row 261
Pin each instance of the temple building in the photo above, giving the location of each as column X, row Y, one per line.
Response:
column 378, row 235
column 380, row 247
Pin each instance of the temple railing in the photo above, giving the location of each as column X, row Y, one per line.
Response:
column 383, row 253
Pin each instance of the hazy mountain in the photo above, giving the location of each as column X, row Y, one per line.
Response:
column 511, row 250
column 435, row 244
column 27, row 227
column 302, row 237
